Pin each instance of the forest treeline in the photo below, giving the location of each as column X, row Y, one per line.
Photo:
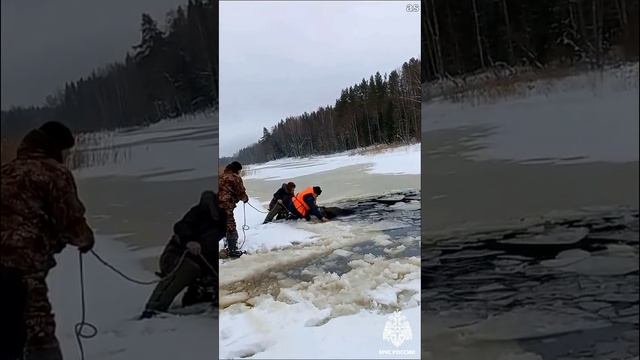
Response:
column 385, row 109
column 467, row 36
column 171, row 72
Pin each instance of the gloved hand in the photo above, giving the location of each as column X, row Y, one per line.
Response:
column 194, row 247
column 86, row 248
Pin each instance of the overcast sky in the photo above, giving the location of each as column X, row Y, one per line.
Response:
column 279, row 59
column 48, row 42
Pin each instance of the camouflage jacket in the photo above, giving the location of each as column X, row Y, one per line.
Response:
column 41, row 211
column 231, row 190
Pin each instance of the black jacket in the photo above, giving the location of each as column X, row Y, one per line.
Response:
column 203, row 223
column 281, row 194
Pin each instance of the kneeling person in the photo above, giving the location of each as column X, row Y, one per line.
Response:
column 281, row 205
column 305, row 204
column 191, row 251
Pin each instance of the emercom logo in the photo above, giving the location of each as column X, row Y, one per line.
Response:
column 397, row 329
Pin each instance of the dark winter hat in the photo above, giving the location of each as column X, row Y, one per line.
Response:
column 235, row 166
column 291, row 185
column 60, row 135
column 317, row 190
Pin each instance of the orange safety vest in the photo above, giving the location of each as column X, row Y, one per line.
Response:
column 298, row 201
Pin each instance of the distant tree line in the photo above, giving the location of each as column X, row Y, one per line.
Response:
column 465, row 36
column 382, row 110
column 171, row 72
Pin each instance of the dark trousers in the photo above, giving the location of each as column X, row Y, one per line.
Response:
column 30, row 328
column 12, row 305
column 178, row 276
column 278, row 210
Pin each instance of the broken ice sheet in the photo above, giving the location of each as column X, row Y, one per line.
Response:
column 558, row 237
column 603, row 266
column 532, row 323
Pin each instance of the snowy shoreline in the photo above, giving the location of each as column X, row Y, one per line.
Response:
column 399, row 160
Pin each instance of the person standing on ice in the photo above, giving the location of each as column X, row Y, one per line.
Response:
column 186, row 259
column 305, row 204
column 281, row 204
column 41, row 214
column 231, row 191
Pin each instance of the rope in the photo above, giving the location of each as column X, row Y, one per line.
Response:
column 135, row 281
column 78, row 328
column 92, row 330
column 258, row 210
column 245, row 227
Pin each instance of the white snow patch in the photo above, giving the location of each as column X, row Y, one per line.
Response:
column 266, row 237
column 402, row 160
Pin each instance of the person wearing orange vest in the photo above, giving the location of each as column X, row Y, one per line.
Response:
column 305, row 203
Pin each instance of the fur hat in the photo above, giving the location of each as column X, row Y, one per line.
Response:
column 60, row 135
column 235, row 166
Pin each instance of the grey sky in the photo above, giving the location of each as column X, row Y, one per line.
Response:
column 284, row 58
column 46, row 43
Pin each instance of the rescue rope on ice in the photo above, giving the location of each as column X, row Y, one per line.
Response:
column 92, row 329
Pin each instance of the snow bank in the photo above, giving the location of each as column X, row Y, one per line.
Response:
column 113, row 305
column 402, row 160
column 357, row 336
column 329, row 317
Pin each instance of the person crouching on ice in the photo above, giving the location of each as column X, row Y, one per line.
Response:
column 281, row 205
column 189, row 254
column 231, row 191
column 305, row 204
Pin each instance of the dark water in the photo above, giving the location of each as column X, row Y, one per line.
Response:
column 368, row 211
column 488, row 274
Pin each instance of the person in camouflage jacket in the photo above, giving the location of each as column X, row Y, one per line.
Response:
column 231, row 190
column 41, row 214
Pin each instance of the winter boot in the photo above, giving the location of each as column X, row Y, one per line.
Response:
column 232, row 247
column 147, row 314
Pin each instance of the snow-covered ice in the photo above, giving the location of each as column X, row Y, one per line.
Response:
column 114, row 304
column 157, row 152
column 265, row 237
column 585, row 118
column 313, row 319
column 402, row 160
